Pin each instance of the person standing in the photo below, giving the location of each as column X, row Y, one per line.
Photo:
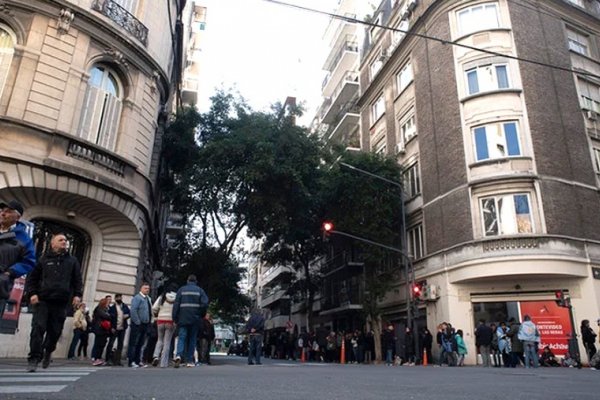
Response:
column 529, row 334
column 17, row 253
column 588, row 336
column 141, row 316
column 102, row 328
column 388, row 341
column 205, row 338
column 516, row 346
column 55, row 280
column 461, row 348
column 483, row 341
column 119, row 315
column 426, row 344
column 163, row 309
column 80, row 326
column 189, row 308
column 255, row 328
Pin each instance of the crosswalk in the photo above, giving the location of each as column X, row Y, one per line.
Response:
column 52, row 380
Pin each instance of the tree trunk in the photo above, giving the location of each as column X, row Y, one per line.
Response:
column 376, row 327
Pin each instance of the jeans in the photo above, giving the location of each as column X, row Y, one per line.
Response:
column 119, row 336
column 163, row 344
column 388, row 356
column 76, row 338
column 187, row 342
column 137, row 336
column 46, row 328
column 531, row 354
column 100, row 339
column 516, row 356
column 255, row 351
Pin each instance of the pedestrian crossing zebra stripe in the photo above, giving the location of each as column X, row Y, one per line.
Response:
column 14, row 381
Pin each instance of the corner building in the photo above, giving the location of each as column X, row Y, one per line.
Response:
column 85, row 89
column 501, row 157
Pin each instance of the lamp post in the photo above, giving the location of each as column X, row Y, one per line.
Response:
column 409, row 270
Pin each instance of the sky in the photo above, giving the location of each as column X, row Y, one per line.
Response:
column 265, row 51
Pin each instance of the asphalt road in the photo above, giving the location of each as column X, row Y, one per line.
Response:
column 231, row 378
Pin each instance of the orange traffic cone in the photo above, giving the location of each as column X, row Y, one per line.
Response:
column 424, row 358
column 303, row 356
column 343, row 355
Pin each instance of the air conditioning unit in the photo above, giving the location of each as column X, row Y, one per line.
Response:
column 400, row 149
column 432, row 293
column 591, row 115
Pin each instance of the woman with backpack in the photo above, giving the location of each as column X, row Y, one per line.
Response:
column 163, row 310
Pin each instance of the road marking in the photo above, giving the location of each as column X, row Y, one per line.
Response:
column 20, row 381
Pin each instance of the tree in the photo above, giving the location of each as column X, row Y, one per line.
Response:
column 370, row 208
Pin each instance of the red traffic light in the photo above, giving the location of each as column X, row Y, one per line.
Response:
column 416, row 289
column 327, row 226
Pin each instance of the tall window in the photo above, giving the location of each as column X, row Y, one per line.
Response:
column 129, row 5
column 597, row 159
column 477, row 18
column 7, row 49
column 375, row 66
column 578, row 42
column 506, row 215
column 496, row 141
column 412, row 180
column 408, row 128
column 400, row 33
column 416, row 246
column 101, row 108
column 487, row 77
column 376, row 29
column 377, row 109
column 589, row 95
column 404, row 77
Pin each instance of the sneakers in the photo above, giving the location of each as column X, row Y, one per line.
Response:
column 177, row 362
column 133, row 365
column 155, row 361
column 190, row 365
column 46, row 360
column 32, row 366
column 98, row 362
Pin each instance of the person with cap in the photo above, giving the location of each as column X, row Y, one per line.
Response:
column 17, row 253
column 55, row 280
column 191, row 303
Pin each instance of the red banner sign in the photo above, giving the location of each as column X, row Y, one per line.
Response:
column 553, row 323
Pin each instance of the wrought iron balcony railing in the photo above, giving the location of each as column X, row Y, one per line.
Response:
column 123, row 18
column 96, row 156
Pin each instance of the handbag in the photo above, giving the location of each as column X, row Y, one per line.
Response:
column 105, row 324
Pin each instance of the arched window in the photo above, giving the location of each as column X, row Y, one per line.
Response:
column 102, row 108
column 7, row 49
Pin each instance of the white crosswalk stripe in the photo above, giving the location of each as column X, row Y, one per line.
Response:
column 53, row 380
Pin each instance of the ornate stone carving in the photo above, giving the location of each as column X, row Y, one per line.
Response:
column 117, row 57
column 155, row 82
column 5, row 9
column 64, row 20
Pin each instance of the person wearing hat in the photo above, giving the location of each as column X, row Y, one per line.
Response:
column 17, row 253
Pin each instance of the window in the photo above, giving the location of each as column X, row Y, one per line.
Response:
column 399, row 33
column 578, row 42
column 415, row 243
column 412, row 180
column 506, row 215
column 375, row 30
column 487, row 77
column 590, row 95
column 496, row 141
column 378, row 109
column 404, row 77
column 478, row 18
column 129, row 5
column 597, row 159
column 7, row 49
column 577, row 2
column 101, row 108
column 408, row 129
column 375, row 66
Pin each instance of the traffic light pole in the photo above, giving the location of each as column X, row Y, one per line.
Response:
column 409, row 270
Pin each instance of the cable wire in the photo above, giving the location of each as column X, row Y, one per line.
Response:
column 435, row 39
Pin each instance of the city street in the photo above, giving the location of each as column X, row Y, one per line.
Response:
column 230, row 377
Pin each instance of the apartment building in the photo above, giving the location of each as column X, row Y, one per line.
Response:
column 85, row 90
column 491, row 108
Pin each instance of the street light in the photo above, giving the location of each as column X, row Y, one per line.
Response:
column 410, row 272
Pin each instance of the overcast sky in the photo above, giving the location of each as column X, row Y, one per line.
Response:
column 266, row 51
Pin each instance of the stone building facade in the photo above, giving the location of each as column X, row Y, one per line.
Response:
column 85, row 89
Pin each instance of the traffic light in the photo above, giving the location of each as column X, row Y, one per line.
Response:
column 418, row 291
column 327, row 229
column 562, row 299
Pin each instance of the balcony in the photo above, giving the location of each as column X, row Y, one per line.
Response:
column 347, row 121
column 96, row 156
column 345, row 91
column 123, row 18
column 189, row 91
column 274, row 274
column 341, row 60
column 343, row 299
column 272, row 296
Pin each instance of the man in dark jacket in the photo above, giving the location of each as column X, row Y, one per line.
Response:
column 516, row 346
column 205, row 337
column 119, row 314
column 255, row 328
column 53, row 282
column 189, row 308
column 483, row 341
column 17, row 253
